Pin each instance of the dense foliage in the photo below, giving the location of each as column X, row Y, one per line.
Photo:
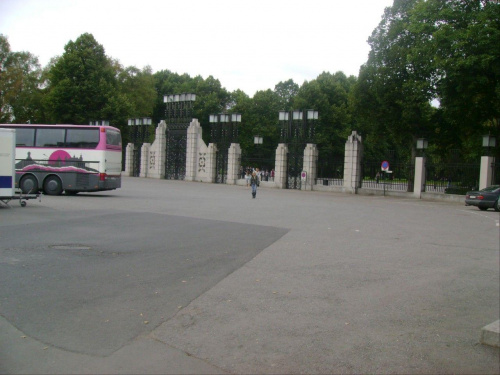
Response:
column 441, row 50
column 423, row 52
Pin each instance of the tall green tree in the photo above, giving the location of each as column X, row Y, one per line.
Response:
column 329, row 95
column 286, row 91
column 431, row 49
column 83, row 85
column 458, row 42
column 392, row 86
column 20, row 86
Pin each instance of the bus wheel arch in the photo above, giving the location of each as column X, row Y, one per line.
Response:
column 52, row 185
column 28, row 184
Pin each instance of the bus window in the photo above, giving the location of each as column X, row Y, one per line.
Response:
column 49, row 137
column 25, row 137
column 113, row 138
column 82, row 138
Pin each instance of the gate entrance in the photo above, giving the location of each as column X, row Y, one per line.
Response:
column 297, row 129
column 178, row 114
column 295, row 161
column 221, row 158
column 139, row 133
column 136, row 161
column 223, row 132
column 175, row 162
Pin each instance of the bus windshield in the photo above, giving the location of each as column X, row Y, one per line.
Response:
column 113, row 138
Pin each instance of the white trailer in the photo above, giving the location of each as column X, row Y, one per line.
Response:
column 8, row 169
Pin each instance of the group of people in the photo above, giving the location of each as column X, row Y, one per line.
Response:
column 253, row 176
column 264, row 175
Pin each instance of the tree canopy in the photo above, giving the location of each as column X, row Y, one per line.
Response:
column 20, row 80
column 423, row 52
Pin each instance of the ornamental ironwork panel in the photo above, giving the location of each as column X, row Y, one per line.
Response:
column 175, row 162
column 221, row 158
column 297, row 129
column 295, row 161
column 136, row 162
column 223, row 132
column 178, row 114
column 139, row 133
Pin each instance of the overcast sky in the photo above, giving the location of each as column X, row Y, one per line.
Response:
column 247, row 44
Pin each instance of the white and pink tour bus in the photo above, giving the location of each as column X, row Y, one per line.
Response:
column 69, row 158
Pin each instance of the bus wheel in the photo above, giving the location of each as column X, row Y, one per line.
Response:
column 28, row 184
column 52, row 186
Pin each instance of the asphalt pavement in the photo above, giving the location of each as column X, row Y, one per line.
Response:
column 184, row 277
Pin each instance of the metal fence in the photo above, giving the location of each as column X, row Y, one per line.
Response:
column 400, row 177
column 452, row 178
column 496, row 173
column 330, row 171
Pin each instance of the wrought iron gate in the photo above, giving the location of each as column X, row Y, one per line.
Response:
column 139, row 133
column 175, row 162
column 136, row 165
column 221, row 158
column 295, row 162
column 297, row 129
column 223, row 132
column 178, row 114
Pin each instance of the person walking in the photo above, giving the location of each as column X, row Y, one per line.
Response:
column 254, row 182
column 248, row 176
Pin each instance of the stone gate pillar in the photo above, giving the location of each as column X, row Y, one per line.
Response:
column 309, row 166
column 486, row 174
column 194, row 157
column 200, row 158
column 281, row 166
column 211, row 163
column 419, row 180
column 129, row 160
column 157, row 153
column 145, row 159
column 352, row 163
column 233, row 164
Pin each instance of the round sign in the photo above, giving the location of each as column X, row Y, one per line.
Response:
column 385, row 165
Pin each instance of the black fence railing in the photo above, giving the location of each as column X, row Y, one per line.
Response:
column 330, row 171
column 496, row 173
column 399, row 177
column 456, row 178
column 330, row 168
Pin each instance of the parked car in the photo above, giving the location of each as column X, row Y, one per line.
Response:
column 485, row 198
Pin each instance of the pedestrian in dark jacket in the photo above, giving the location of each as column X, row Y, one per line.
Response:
column 254, row 182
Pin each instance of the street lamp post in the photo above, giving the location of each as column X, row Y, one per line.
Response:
column 489, row 143
column 99, row 123
column 224, row 127
column 139, row 128
column 178, row 116
column 298, row 128
column 422, row 145
column 258, row 140
column 138, row 133
column 179, row 107
column 488, row 172
column 223, row 132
